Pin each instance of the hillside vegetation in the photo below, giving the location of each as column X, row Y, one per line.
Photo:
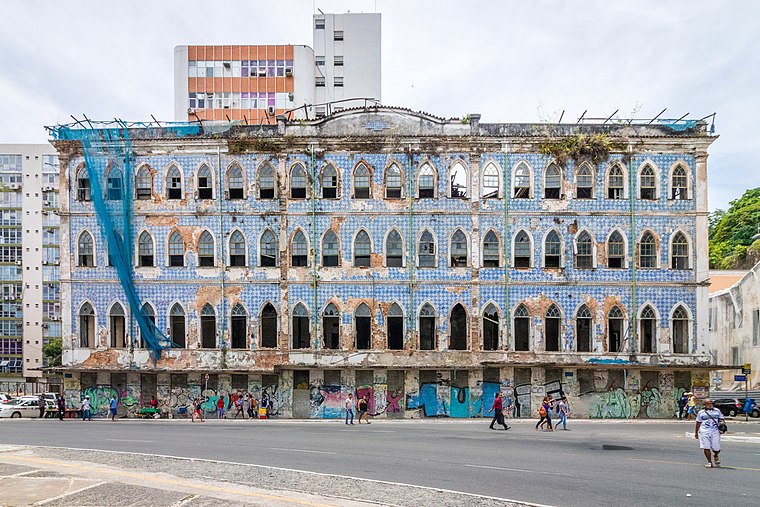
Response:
column 731, row 233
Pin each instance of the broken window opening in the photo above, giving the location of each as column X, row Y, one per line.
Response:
column 331, row 327
column 269, row 326
column 427, row 251
column 173, row 183
column 679, row 184
column 83, row 186
column 427, row 328
column 238, row 327
column 522, row 249
column 680, row 330
column 143, row 184
column 615, row 329
column 117, row 328
column 86, row 325
column 426, row 184
column 363, row 320
column 298, row 182
column 491, row 254
column 615, row 182
column 583, row 326
column 490, row 182
column 268, row 249
column 459, row 249
column 234, row 183
column 301, row 336
column 177, row 325
column 458, row 181
column 458, row 328
column 395, row 323
column 208, row 327
column 329, row 183
column 522, row 328
column 114, row 185
column 647, row 326
column 522, row 182
column 552, row 182
column 490, row 328
column 205, row 186
column 150, row 315
column 553, row 326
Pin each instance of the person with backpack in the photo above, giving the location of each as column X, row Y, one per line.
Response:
column 197, row 409
column 498, row 414
column 544, row 412
column 112, row 407
column 708, row 430
column 682, row 401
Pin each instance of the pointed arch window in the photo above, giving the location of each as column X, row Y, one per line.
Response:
column 647, row 327
column 427, row 250
column 522, row 182
column 584, row 186
column 490, row 182
column 394, row 250
column 615, row 251
column 331, row 327
column 647, row 251
column 363, row 322
column 426, row 183
column 680, row 252
column 491, row 254
column 238, row 327
column 205, row 183
column 329, row 181
column 330, row 250
column 361, row 182
column 173, row 183
column 206, row 253
column 615, row 329
column 114, row 185
column 237, row 249
column 83, row 186
column 115, row 249
column 552, row 250
column 266, row 182
column 615, row 183
column 176, row 250
column 552, row 182
column 362, row 250
column 116, row 327
column 458, row 249
column 301, row 332
column 680, row 333
column 177, row 326
column 149, row 314
column 298, row 250
column 583, row 327
column 393, row 183
column 584, row 251
column 143, row 184
column 298, row 182
column 679, row 184
column 522, row 328
column 427, row 328
column 647, row 184
column 395, row 327
column 269, row 326
column 458, row 328
column 553, row 323
column 86, row 250
column 458, row 180
column 86, row 326
column 234, row 182
column 145, row 250
column 208, row 327
column 522, row 249
column 268, row 249
column 490, row 327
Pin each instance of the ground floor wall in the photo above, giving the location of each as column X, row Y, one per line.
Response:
column 409, row 393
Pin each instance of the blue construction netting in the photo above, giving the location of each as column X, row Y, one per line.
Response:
column 108, row 158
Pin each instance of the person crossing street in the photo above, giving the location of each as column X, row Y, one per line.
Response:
column 498, row 414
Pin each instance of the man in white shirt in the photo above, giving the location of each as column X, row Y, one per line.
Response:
column 350, row 408
column 707, row 432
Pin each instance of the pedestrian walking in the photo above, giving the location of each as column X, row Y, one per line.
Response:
column 197, row 412
column 544, row 412
column 239, row 405
column 350, row 408
column 61, row 407
column 363, row 409
column 498, row 412
column 682, row 401
column 266, row 404
column 246, row 406
column 564, row 410
column 708, row 433
column 220, row 407
column 112, row 406
column 86, row 408
column 691, row 407
column 254, row 410
column 42, row 404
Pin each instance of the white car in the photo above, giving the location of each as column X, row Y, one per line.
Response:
column 20, row 407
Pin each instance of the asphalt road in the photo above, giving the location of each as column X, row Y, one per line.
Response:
column 596, row 463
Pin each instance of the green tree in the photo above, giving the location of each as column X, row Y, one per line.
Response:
column 52, row 351
column 732, row 233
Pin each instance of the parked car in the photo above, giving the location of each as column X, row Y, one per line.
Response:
column 20, row 407
column 4, row 398
column 730, row 406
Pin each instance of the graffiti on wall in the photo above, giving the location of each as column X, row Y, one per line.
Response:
column 429, row 399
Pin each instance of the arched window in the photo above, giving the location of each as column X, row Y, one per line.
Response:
column 143, row 184
column 301, row 333
column 268, row 249
column 149, row 314
column 176, row 250
column 523, row 250
column 680, row 332
column 362, row 250
column 522, row 328
column 298, row 249
column 679, row 184
column 427, row 251
column 553, row 326
column 86, row 250
column 615, row 251
column 426, row 182
column 458, row 180
column 647, row 251
column 395, row 327
column 552, row 250
column 361, row 181
column 237, row 249
column 115, row 249
column 86, row 326
column 238, row 327
column 114, row 184
column 269, row 326
column 330, row 249
column 491, row 257
column 583, row 327
column 584, row 182
column 615, row 183
column 427, row 328
column 458, row 328
column 234, row 182
column 145, row 250
column 552, row 182
column 458, row 256
column 522, row 182
column 331, row 327
column 116, row 326
column 206, row 253
column 177, row 325
column 647, row 183
column 205, row 183
column 83, row 186
column 298, row 182
column 266, row 181
column 615, row 329
column 208, row 327
column 648, row 326
column 329, row 182
column 490, row 327
column 363, row 322
column 393, row 183
column 679, row 257
column 584, row 251
column 173, row 183
column 490, row 182
column 394, row 250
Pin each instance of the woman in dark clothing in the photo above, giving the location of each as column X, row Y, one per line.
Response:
column 545, row 413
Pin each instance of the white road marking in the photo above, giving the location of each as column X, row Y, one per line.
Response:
column 128, row 440
column 301, row 450
column 520, row 470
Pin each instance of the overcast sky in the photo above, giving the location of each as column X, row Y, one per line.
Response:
column 509, row 61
